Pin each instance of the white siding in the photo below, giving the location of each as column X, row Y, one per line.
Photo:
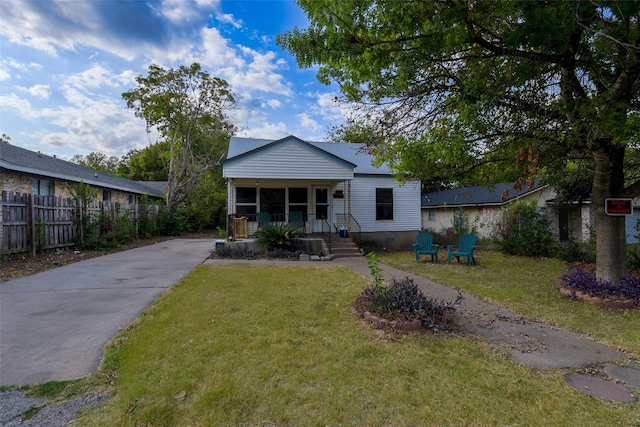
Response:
column 289, row 160
column 406, row 204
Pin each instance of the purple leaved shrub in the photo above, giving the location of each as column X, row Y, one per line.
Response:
column 579, row 280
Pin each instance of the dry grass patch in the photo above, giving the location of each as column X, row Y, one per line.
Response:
column 262, row 345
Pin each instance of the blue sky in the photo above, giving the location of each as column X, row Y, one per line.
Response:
column 65, row 64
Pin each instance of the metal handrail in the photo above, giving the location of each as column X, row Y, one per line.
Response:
column 351, row 224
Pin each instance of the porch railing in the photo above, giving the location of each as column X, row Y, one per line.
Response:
column 350, row 224
column 306, row 224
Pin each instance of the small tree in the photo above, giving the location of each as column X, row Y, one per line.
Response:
column 83, row 194
column 525, row 231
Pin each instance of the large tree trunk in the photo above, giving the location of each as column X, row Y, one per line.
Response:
column 611, row 247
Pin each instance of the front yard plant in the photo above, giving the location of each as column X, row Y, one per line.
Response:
column 403, row 300
column 580, row 281
column 277, row 235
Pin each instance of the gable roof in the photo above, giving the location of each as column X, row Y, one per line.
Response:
column 355, row 155
column 21, row 160
column 472, row 196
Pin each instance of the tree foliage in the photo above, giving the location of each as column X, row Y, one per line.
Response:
column 489, row 90
column 148, row 164
column 189, row 108
column 98, row 161
column 525, row 231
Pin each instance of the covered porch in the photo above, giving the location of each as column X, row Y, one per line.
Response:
column 312, row 206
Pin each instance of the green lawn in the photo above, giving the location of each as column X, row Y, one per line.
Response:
column 268, row 345
column 528, row 286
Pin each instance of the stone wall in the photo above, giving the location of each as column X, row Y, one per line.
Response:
column 16, row 183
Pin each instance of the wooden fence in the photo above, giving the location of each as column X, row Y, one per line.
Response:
column 31, row 223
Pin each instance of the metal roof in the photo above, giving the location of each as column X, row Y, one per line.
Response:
column 356, row 154
column 471, row 196
column 21, row 160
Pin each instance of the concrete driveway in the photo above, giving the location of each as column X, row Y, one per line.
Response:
column 53, row 325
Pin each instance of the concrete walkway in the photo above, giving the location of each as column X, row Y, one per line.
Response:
column 53, row 325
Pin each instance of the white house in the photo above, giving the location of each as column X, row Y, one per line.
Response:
column 324, row 187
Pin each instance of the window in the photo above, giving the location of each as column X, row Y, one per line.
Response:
column 42, row 187
column 384, row 203
column 432, row 214
column 131, row 199
column 298, row 201
column 272, row 201
column 246, row 202
column 322, row 203
column 106, row 195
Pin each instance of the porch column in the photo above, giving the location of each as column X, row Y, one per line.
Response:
column 349, row 205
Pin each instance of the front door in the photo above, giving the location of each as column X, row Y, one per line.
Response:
column 321, row 208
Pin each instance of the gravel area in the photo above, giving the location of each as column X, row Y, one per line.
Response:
column 16, row 409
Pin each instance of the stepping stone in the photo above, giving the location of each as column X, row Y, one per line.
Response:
column 630, row 375
column 597, row 387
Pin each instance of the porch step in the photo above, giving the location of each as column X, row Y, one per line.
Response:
column 344, row 247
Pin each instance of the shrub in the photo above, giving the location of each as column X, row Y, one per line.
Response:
column 404, row 300
column 277, row 235
column 281, row 253
column 579, row 280
column 233, row 251
column 525, row 231
column 570, row 252
column 633, row 258
column 170, row 223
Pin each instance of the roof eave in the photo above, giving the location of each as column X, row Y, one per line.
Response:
column 64, row 177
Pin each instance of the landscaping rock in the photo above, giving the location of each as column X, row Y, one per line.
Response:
column 409, row 325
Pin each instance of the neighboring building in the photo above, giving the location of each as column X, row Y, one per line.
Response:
column 633, row 221
column 480, row 206
column 25, row 171
column 330, row 185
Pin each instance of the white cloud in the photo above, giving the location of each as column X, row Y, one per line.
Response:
column 216, row 52
column 274, row 103
column 307, row 122
column 13, row 102
column 40, row 91
column 52, row 27
column 266, row 131
column 93, row 78
column 15, row 64
column 25, row 24
column 178, row 10
column 226, row 18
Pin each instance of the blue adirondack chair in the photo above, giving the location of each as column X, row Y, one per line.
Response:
column 464, row 248
column 425, row 246
column 297, row 220
column 264, row 218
